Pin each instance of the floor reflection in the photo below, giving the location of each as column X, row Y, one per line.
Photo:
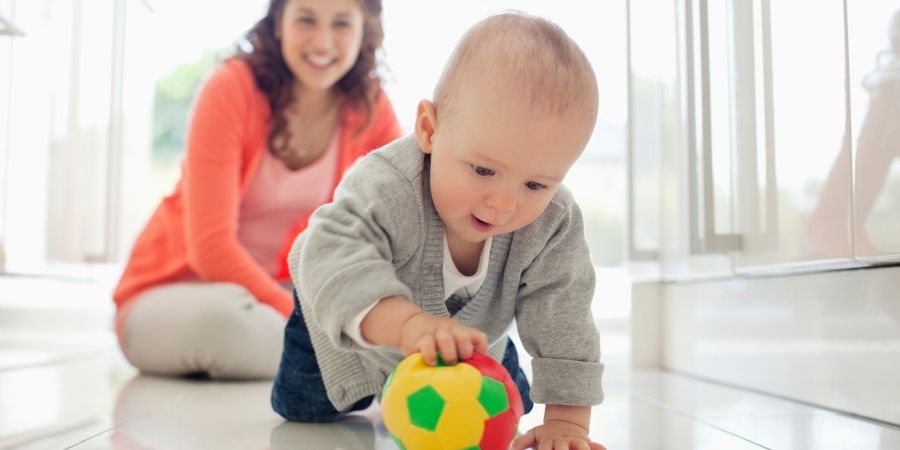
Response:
column 352, row 433
column 158, row 412
column 653, row 411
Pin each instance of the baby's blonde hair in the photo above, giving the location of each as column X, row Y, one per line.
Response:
column 529, row 54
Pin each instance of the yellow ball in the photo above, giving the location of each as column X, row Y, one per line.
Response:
column 470, row 405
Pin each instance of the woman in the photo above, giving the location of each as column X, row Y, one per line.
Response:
column 877, row 145
column 272, row 131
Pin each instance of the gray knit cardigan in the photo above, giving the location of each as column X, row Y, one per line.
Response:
column 381, row 236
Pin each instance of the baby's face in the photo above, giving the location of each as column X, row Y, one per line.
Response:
column 496, row 164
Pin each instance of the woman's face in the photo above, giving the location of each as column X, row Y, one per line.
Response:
column 320, row 39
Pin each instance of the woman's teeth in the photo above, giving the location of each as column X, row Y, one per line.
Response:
column 320, row 60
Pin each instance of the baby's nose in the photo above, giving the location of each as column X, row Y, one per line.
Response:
column 503, row 202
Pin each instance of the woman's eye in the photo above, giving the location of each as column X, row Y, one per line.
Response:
column 535, row 186
column 342, row 24
column 307, row 20
column 482, row 171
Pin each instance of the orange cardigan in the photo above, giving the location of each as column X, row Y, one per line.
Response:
column 196, row 226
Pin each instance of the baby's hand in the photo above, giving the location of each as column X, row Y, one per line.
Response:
column 430, row 336
column 556, row 434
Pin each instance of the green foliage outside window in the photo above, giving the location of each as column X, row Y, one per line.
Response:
column 172, row 105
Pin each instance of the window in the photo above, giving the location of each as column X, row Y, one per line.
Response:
column 98, row 131
column 598, row 178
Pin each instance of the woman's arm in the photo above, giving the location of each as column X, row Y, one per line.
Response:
column 218, row 132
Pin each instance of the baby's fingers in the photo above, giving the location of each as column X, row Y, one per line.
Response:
column 580, row 445
column 557, row 444
column 464, row 345
column 426, row 346
column 480, row 342
column 524, row 441
column 446, row 345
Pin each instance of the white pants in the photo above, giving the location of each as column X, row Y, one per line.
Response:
column 218, row 329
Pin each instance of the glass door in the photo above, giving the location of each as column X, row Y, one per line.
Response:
column 874, row 59
column 807, row 121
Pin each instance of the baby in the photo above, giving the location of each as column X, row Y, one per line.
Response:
column 437, row 241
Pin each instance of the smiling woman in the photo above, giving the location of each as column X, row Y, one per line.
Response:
column 272, row 131
column 75, row 132
column 329, row 46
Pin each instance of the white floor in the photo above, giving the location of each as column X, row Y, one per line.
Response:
column 93, row 401
column 72, row 389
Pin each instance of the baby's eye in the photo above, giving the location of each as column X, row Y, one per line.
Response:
column 342, row 24
column 535, row 186
column 482, row 171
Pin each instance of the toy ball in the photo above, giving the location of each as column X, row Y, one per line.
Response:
column 471, row 405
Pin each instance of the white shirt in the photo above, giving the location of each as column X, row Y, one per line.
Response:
column 461, row 288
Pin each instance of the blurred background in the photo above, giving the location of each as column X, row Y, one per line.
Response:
column 96, row 100
column 741, row 198
column 94, row 104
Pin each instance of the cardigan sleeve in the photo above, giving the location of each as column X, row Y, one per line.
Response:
column 553, row 313
column 345, row 260
column 219, row 131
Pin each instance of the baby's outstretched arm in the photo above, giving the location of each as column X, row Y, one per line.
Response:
column 564, row 427
column 399, row 323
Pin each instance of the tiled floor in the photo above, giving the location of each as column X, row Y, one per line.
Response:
column 72, row 389
column 93, row 401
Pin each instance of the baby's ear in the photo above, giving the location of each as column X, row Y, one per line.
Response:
column 426, row 122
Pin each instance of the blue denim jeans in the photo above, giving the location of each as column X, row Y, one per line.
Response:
column 299, row 394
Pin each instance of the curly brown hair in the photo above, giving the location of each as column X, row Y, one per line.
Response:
column 360, row 84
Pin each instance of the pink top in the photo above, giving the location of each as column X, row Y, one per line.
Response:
column 277, row 196
column 195, row 229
